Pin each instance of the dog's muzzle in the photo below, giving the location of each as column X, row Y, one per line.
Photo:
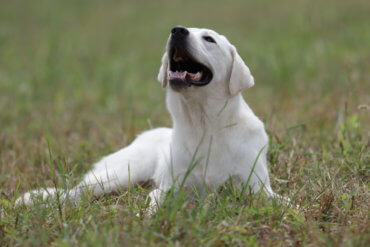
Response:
column 179, row 33
column 184, row 70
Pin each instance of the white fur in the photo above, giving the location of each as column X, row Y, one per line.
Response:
column 213, row 127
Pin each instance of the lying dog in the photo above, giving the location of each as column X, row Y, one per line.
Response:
column 215, row 134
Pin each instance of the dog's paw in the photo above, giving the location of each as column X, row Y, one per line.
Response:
column 25, row 199
column 30, row 197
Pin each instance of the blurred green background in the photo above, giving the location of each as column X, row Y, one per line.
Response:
column 103, row 56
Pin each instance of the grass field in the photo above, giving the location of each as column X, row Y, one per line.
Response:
column 78, row 81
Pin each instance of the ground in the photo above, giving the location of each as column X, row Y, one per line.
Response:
column 78, row 81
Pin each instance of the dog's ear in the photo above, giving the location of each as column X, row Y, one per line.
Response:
column 162, row 75
column 240, row 77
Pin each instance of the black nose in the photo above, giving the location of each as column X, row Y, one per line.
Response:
column 179, row 32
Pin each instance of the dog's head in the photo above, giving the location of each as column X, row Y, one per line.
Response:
column 197, row 58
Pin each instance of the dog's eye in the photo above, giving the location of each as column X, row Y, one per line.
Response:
column 209, row 39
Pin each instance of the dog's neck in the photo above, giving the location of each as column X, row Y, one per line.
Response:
column 199, row 114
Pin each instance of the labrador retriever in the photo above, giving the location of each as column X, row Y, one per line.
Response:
column 215, row 134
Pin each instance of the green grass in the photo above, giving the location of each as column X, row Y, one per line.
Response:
column 77, row 81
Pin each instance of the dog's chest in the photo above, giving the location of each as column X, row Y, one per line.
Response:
column 209, row 159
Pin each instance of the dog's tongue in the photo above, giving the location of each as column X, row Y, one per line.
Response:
column 185, row 74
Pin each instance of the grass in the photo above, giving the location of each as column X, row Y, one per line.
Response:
column 77, row 81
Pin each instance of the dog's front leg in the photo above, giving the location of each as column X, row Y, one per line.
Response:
column 156, row 198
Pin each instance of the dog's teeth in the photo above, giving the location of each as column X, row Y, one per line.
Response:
column 177, row 74
column 197, row 76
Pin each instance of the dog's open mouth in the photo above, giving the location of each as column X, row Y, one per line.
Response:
column 185, row 71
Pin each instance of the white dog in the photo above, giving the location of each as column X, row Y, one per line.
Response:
column 215, row 134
